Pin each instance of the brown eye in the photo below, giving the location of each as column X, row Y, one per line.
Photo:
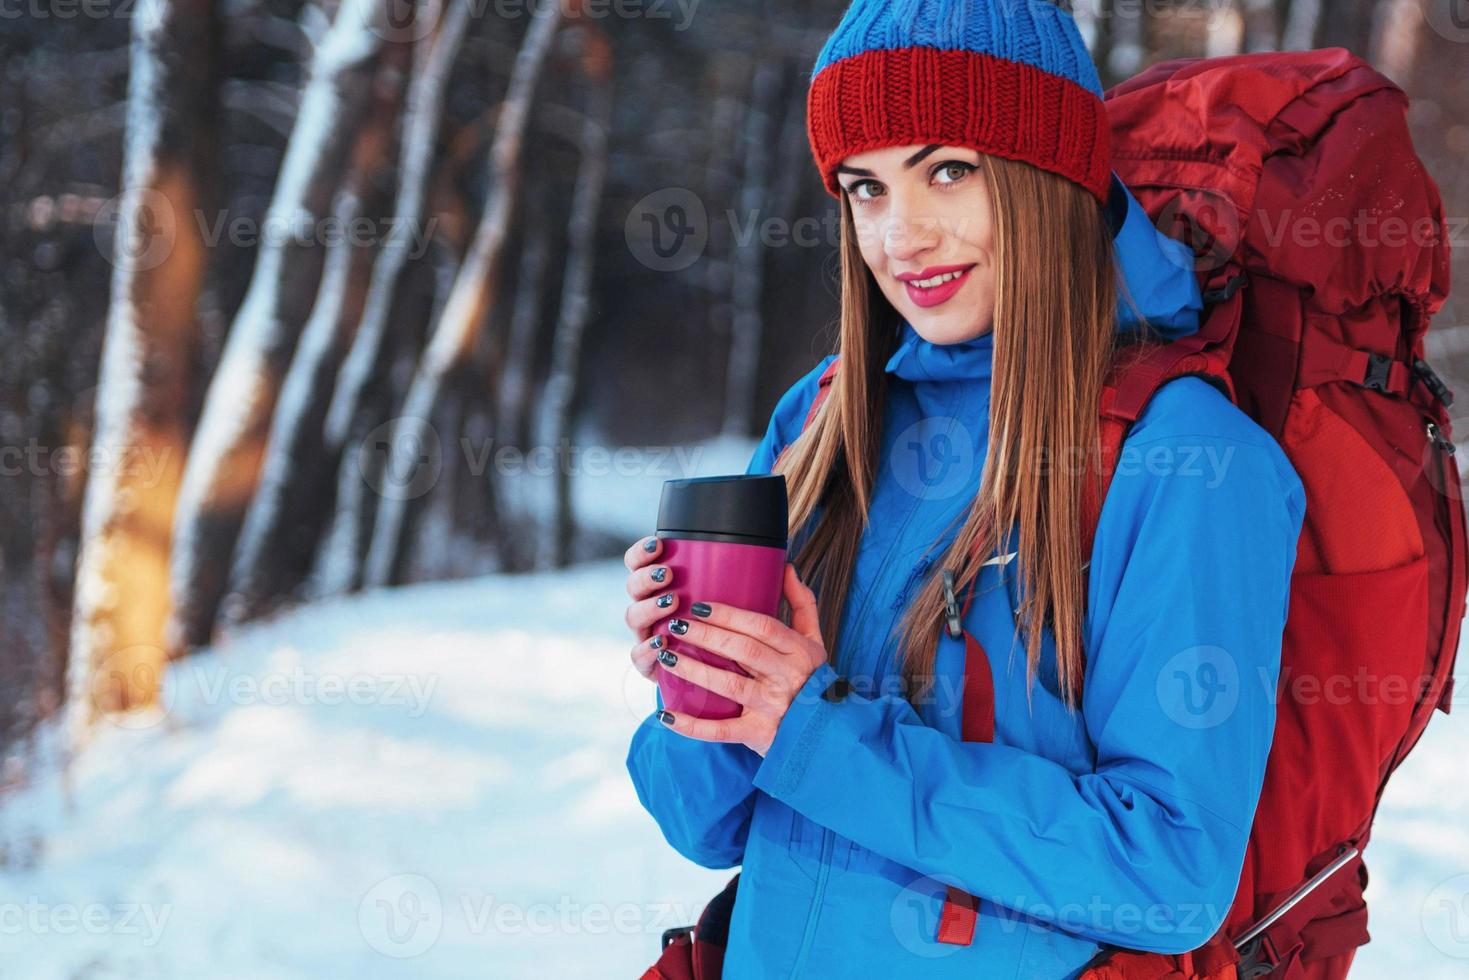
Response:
column 953, row 171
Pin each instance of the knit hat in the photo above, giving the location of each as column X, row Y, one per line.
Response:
column 1008, row 77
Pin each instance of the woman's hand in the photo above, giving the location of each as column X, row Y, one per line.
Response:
column 648, row 583
column 779, row 658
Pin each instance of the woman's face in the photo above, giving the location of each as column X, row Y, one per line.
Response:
column 925, row 225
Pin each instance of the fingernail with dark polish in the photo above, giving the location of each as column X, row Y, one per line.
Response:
column 666, row 717
column 678, row 626
column 650, row 545
column 700, row 609
column 665, row 600
column 668, row 658
column 656, row 642
column 660, row 573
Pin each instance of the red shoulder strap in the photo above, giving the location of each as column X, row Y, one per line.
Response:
column 1138, row 372
column 823, row 389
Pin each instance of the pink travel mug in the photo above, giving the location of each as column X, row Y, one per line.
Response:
column 724, row 537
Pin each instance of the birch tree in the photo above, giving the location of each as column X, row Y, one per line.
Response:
column 223, row 468
column 747, row 286
column 576, row 297
column 420, row 136
column 474, row 294
column 121, row 598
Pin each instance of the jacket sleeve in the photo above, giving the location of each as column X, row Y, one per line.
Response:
column 1189, row 587
column 701, row 793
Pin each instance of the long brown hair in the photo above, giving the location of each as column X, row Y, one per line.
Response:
column 1054, row 332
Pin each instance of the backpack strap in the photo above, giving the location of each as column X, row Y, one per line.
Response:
column 1138, row 372
column 823, row 389
column 960, row 913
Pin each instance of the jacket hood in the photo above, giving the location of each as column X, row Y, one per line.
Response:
column 1159, row 276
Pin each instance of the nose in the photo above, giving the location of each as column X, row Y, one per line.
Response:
column 909, row 232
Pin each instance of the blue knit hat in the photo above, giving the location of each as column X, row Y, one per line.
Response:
column 1007, row 77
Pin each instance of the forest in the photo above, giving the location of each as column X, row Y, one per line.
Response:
column 296, row 293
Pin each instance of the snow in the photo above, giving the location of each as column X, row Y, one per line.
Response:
column 436, row 770
column 429, row 782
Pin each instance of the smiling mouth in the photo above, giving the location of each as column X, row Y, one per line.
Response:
column 938, row 280
column 937, row 288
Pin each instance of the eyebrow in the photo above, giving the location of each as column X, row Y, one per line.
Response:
column 907, row 164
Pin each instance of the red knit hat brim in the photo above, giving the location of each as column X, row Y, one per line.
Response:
column 919, row 95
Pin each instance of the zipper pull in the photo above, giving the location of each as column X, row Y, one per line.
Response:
column 1435, row 434
column 951, row 606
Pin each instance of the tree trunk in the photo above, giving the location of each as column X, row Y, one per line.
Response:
column 1348, row 23
column 748, row 286
column 225, row 456
column 516, row 384
column 420, row 136
column 140, row 435
column 1262, row 27
column 514, row 415
column 472, row 298
column 727, row 74
column 277, row 538
column 793, row 156
column 338, row 567
column 294, row 498
column 1302, row 25
column 1226, row 31
column 1400, row 31
column 576, row 300
column 1129, row 48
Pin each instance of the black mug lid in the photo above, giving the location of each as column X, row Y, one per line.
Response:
column 748, row 506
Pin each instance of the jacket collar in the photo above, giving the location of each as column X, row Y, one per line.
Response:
column 1157, row 270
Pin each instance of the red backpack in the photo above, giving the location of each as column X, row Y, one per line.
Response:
column 1323, row 249
column 1322, row 253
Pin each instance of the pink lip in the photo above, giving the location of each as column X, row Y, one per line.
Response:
column 938, row 294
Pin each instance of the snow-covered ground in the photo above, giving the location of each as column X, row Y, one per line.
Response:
column 429, row 782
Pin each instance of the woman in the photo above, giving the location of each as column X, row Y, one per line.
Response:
column 968, row 146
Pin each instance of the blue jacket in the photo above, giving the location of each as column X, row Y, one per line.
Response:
column 1123, row 823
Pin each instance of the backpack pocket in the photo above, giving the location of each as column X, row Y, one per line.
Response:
column 1357, row 645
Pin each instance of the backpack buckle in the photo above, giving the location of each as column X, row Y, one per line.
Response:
column 1257, row 958
column 678, row 934
column 1379, row 368
column 1433, row 382
column 953, row 623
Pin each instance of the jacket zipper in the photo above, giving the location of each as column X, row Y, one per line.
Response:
column 882, row 654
